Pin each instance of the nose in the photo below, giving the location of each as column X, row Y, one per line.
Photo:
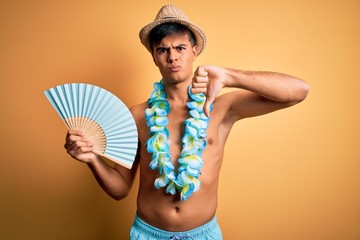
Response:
column 172, row 57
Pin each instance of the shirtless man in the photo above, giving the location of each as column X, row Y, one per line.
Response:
column 188, row 212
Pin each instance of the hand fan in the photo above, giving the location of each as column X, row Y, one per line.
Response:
column 101, row 116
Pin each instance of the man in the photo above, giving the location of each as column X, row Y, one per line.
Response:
column 177, row 197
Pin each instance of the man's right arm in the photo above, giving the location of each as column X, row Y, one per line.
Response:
column 116, row 181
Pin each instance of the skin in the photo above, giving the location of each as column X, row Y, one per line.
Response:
column 258, row 93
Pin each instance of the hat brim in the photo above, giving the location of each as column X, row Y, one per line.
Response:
column 199, row 34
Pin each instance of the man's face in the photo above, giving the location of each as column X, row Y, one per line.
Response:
column 174, row 56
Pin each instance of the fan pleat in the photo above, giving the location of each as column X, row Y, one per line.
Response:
column 100, row 115
column 128, row 156
column 121, row 127
column 57, row 102
column 125, row 134
column 117, row 114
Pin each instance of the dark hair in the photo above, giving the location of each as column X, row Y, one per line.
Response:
column 165, row 29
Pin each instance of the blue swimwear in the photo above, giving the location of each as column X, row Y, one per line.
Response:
column 140, row 230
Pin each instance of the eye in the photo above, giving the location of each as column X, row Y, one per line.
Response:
column 162, row 50
column 180, row 48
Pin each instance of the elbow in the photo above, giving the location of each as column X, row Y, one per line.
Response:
column 303, row 91
column 120, row 195
column 299, row 94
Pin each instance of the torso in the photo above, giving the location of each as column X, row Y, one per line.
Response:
column 163, row 210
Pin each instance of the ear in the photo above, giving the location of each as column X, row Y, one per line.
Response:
column 154, row 60
column 195, row 52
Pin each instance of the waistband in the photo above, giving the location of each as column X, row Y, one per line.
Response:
column 157, row 233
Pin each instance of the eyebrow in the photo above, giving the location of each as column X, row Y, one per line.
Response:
column 162, row 48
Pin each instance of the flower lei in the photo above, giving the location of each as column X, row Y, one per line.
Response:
column 186, row 181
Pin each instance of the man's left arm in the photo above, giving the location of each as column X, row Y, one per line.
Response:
column 265, row 91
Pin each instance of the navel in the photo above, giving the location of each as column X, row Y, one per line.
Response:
column 177, row 209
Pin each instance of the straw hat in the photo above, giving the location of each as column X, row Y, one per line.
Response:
column 172, row 14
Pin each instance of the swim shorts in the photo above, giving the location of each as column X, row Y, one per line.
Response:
column 140, row 230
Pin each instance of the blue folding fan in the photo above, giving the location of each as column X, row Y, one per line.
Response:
column 101, row 116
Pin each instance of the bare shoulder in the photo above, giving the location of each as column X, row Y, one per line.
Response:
column 138, row 110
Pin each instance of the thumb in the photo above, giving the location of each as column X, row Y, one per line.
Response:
column 207, row 106
column 201, row 71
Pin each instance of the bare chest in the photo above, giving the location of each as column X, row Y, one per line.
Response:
column 176, row 127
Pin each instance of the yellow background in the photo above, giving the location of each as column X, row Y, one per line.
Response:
column 292, row 174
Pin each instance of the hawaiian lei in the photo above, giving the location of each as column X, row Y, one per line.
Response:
column 186, row 180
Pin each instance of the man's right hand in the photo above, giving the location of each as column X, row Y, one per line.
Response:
column 79, row 147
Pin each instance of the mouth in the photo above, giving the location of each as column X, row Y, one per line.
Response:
column 174, row 68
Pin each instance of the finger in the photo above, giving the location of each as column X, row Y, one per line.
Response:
column 207, row 106
column 199, row 84
column 207, row 109
column 75, row 132
column 82, row 156
column 201, row 71
column 198, row 90
column 73, row 135
column 80, row 149
column 71, row 139
column 200, row 79
column 75, row 142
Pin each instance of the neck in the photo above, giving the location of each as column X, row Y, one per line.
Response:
column 177, row 92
